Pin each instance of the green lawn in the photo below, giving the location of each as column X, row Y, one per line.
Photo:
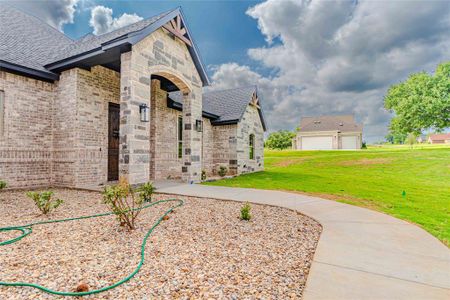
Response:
column 373, row 178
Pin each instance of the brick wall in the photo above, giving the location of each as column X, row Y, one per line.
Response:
column 56, row 134
column 164, row 161
column 95, row 90
column 26, row 142
column 225, row 145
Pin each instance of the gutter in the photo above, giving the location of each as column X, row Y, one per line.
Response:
column 28, row 72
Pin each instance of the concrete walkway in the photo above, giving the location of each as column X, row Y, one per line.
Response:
column 362, row 254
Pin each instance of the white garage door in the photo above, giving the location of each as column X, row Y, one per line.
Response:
column 349, row 142
column 317, row 143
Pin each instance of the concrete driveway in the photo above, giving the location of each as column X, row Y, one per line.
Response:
column 362, row 254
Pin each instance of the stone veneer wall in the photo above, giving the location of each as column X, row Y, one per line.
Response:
column 250, row 124
column 158, row 54
column 26, row 143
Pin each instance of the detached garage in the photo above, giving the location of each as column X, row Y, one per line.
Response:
column 328, row 133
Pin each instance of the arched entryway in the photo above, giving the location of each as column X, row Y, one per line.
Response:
column 167, row 127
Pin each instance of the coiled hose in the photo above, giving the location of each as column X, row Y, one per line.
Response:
column 27, row 229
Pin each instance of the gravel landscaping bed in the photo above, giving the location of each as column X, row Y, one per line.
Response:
column 202, row 251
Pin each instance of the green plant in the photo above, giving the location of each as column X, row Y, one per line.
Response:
column 222, row 171
column 281, row 139
column 146, row 191
column 122, row 200
column 203, row 175
column 2, row 184
column 364, row 145
column 245, row 212
column 44, row 201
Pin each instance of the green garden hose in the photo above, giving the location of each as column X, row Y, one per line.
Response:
column 27, row 229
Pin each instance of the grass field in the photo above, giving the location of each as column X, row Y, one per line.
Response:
column 410, row 184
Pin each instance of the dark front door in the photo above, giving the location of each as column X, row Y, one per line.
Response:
column 113, row 141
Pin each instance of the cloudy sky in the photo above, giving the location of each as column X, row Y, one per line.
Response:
column 307, row 57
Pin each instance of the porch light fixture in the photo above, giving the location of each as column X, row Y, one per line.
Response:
column 144, row 112
column 199, row 125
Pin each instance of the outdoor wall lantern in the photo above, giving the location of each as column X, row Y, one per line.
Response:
column 144, row 111
column 199, row 125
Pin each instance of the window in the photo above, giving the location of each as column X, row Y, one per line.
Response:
column 180, row 137
column 251, row 144
column 2, row 112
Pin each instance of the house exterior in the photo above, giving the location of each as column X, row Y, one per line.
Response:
column 328, row 133
column 442, row 138
column 129, row 103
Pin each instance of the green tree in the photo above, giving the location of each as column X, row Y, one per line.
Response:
column 396, row 138
column 279, row 140
column 421, row 102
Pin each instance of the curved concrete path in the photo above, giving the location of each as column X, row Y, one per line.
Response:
column 362, row 254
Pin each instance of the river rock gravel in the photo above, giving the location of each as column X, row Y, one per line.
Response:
column 202, row 251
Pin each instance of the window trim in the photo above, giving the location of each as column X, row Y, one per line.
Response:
column 251, row 146
column 180, row 137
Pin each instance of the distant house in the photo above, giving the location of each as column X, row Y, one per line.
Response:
column 443, row 138
column 328, row 133
column 421, row 138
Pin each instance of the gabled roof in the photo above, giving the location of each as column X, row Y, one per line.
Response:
column 30, row 45
column 343, row 123
column 228, row 106
column 440, row 137
column 90, row 41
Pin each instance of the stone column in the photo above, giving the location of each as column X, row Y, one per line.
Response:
column 134, row 149
column 192, row 139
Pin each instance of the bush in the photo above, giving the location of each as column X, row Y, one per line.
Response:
column 222, row 171
column 2, row 184
column 245, row 212
column 364, row 145
column 280, row 140
column 203, row 175
column 146, row 191
column 122, row 200
column 44, row 201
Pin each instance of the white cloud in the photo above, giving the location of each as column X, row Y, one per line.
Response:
column 56, row 13
column 102, row 19
column 339, row 57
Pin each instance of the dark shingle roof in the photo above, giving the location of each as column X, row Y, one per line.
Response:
column 90, row 42
column 27, row 41
column 344, row 123
column 33, row 48
column 229, row 104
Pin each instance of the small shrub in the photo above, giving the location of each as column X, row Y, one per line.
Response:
column 146, row 191
column 245, row 212
column 364, row 145
column 122, row 200
column 44, row 201
column 222, row 171
column 2, row 184
column 203, row 175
